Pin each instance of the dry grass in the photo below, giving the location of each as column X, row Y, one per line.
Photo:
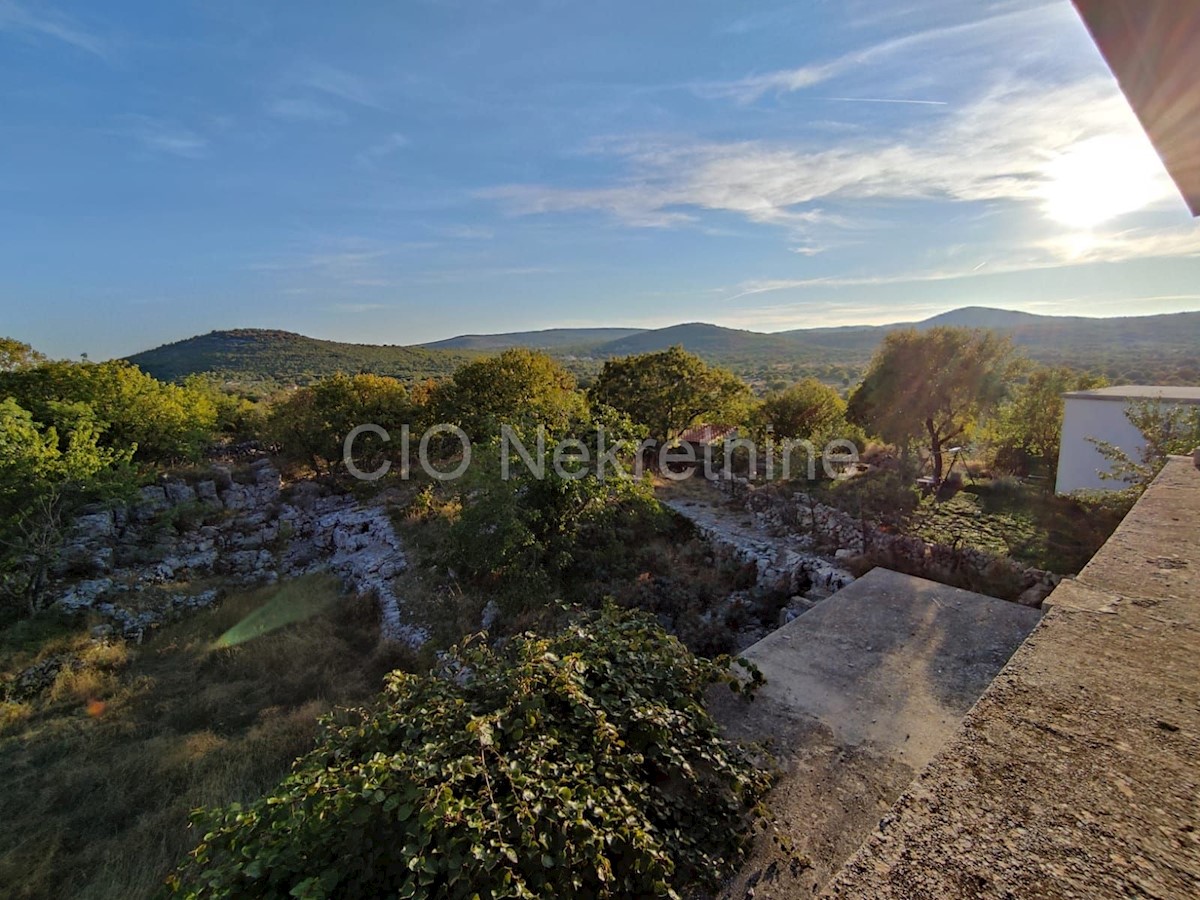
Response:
column 101, row 773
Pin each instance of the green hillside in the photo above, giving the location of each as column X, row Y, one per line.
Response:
column 1162, row 349
column 281, row 357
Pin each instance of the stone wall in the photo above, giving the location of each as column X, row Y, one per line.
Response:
column 967, row 567
column 134, row 566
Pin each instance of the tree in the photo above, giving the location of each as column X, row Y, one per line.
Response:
column 933, row 384
column 1028, row 427
column 578, row 765
column 800, row 411
column 520, row 388
column 15, row 355
column 160, row 422
column 311, row 423
column 1166, row 429
column 670, row 390
column 45, row 478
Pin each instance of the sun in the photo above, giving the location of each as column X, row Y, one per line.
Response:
column 1101, row 178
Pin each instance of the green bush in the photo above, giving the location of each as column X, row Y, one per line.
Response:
column 579, row 765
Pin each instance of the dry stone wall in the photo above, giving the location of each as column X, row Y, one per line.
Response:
column 134, row 565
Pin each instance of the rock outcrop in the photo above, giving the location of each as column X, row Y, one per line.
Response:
column 138, row 566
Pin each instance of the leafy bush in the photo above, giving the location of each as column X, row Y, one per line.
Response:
column 579, row 765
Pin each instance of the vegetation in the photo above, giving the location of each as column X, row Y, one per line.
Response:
column 280, row 358
column 582, row 764
column 1165, row 428
column 1139, row 350
column 519, row 388
column 670, row 390
column 933, row 385
column 104, row 765
column 1026, row 430
column 310, row 424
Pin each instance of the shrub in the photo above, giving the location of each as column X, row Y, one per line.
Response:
column 579, row 765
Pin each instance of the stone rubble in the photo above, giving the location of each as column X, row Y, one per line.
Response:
column 132, row 565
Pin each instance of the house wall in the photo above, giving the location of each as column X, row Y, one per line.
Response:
column 1079, row 462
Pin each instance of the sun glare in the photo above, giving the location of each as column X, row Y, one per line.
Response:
column 1101, row 178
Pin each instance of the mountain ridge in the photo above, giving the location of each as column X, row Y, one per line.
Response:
column 1126, row 344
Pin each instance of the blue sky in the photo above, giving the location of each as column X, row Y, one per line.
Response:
column 400, row 172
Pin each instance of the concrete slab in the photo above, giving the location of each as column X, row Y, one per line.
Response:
column 862, row 691
column 1077, row 774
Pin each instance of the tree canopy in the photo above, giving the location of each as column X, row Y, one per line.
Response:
column 670, row 390
column 933, row 384
column 1028, row 427
column 800, row 411
column 578, row 765
column 520, row 388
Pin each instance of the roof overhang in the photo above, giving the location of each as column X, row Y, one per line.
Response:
column 1153, row 48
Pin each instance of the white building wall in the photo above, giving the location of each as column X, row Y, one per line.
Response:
column 1079, row 462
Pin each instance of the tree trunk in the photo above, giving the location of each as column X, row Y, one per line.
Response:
column 935, row 449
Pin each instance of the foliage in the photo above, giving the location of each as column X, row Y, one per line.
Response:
column 1027, row 428
column 158, row 422
column 582, row 764
column 238, row 416
column 311, row 423
column 275, row 358
column 1166, row 429
column 100, row 779
column 520, row 388
column 44, row 478
column 528, row 538
column 670, row 390
column 933, row 383
column 805, row 409
column 15, row 355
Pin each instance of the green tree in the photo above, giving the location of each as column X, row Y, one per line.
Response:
column 310, row 424
column 45, row 477
column 1166, row 429
column 160, row 422
column 579, row 765
column 519, row 388
column 800, row 411
column 932, row 384
column 15, row 355
column 1028, row 427
column 670, row 390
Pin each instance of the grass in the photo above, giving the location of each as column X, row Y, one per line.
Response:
column 103, row 768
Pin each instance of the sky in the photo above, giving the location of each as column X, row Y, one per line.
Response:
column 389, row 172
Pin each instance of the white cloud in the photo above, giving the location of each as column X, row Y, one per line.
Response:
column 1002, row 146
column 163, row 137
column 340, row 84
column 1024, row 23
column 382, row 149
column 45, row 22
column 303, row 109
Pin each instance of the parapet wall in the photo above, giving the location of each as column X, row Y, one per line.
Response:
column 1077, row 772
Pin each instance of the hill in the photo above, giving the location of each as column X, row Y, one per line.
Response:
column 1135, row 349
column 548, row 339
column 282, row 357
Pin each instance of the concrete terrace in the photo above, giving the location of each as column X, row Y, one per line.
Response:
column 1077, row 773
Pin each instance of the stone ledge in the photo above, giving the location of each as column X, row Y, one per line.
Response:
column 1077, row 772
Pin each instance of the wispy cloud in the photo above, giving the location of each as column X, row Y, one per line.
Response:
column 44, row 22
column 339, row 83
column 160, row 136
column 304, row 109
column 1084, row 248
column 382, row 149
column 1002, row 146
column 751, row 88
column 887, row 100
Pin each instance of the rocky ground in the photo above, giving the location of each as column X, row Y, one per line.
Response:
column 176, row 547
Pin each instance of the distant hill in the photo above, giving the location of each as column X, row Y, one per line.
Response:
column 548, row 339
column 1133, row 349
column 261, row 355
